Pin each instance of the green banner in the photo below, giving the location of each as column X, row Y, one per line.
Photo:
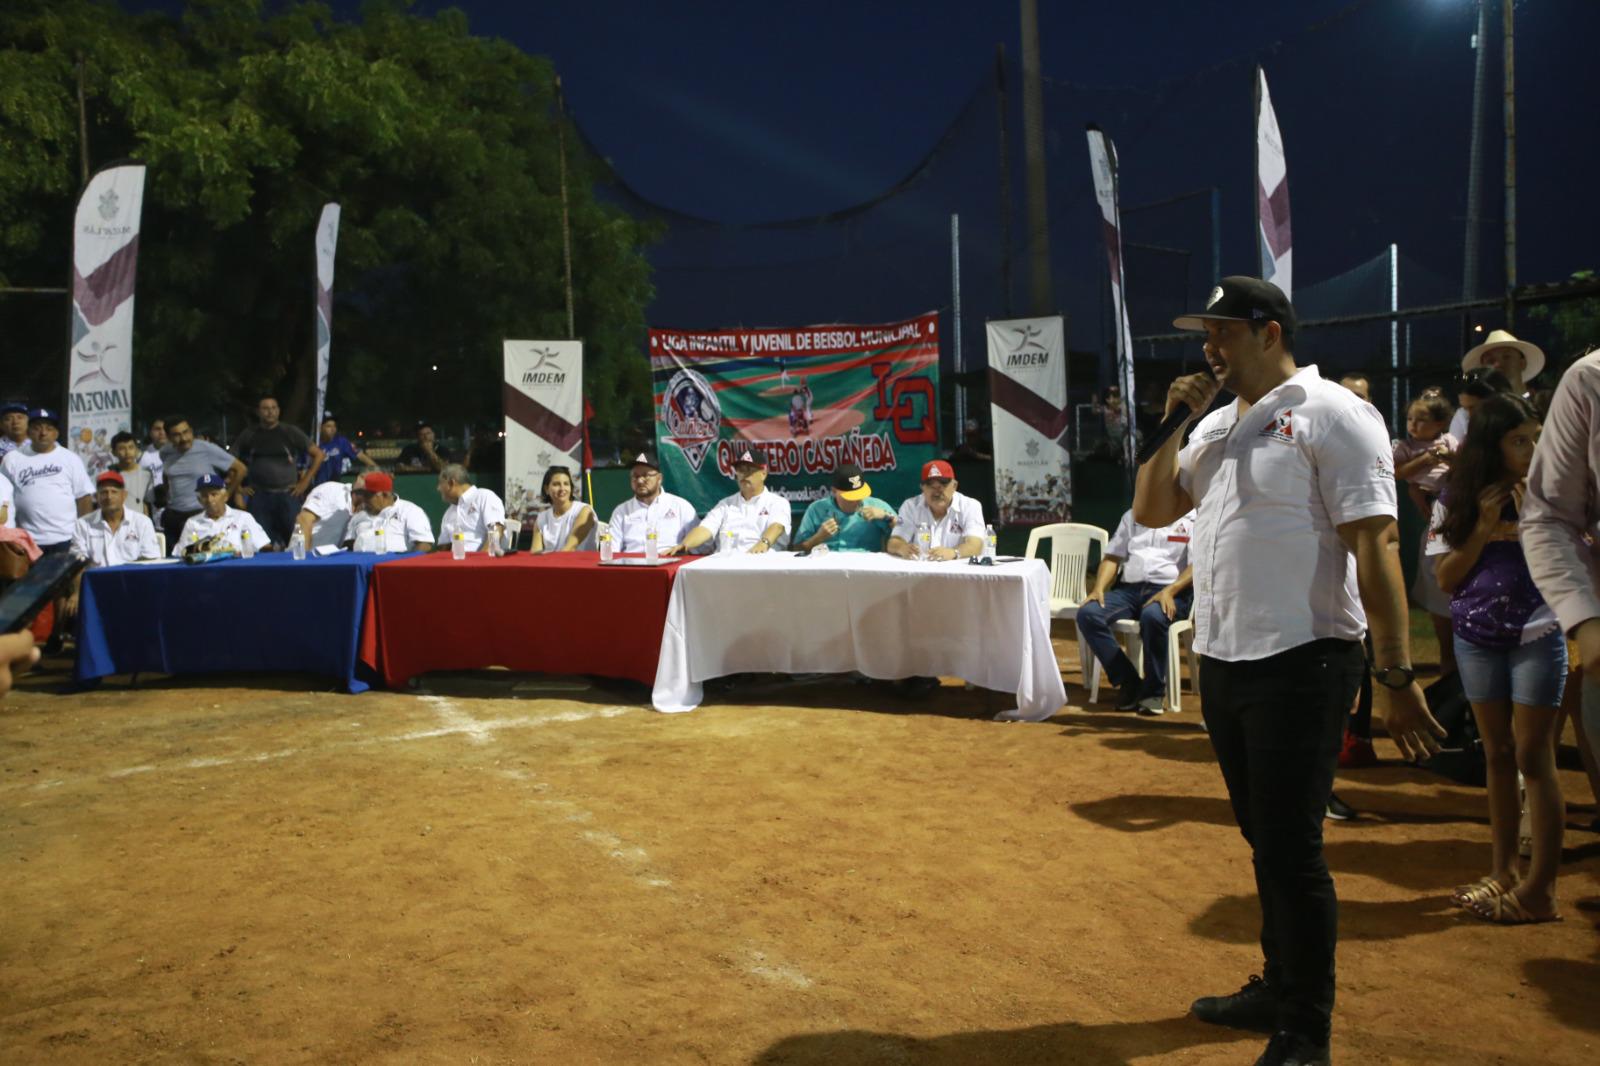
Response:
column 809, row 399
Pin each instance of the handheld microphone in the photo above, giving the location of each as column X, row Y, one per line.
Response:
column 1169, row 425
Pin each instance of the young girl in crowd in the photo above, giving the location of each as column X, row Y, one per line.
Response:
column 1422, row 460
column 1509, row 650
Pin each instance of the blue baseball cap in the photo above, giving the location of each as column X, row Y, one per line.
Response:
column 13, row 407
column 210, row 481
column 45, row 414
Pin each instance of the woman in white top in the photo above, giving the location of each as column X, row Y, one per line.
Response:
column 566, row 525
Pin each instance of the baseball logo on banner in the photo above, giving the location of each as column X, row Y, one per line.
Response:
column 1031, row 415
column 543, row 399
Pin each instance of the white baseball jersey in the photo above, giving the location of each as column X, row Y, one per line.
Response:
column 404, row 526
column 673, row 517
column 1150, row 555
column 233, row 524
column 151, row 461
column 747, row 520
column 134, row 539
column 963, row 519
column 473, row 515
column 1271, row 486
column 329, row 504
column 47, row 488
column 554, row 529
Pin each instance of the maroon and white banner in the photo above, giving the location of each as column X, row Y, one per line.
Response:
column 1272, row 194
column 1103, row 161
column 105, row 252
column 1032, row 420
column 327, row 243
column 543, row 396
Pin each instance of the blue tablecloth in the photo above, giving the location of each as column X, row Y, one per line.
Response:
column 270, row 613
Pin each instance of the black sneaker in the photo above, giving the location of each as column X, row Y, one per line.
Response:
column 1339, row 810
column 1128, row 696
column 1253, row 1007
column 1292, row 1049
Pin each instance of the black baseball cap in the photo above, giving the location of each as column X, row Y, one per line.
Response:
column 851, row 485
column 645, row 459
column 13, row 407
column 1241, row 299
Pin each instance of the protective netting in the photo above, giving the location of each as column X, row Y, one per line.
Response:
column 1375, row 106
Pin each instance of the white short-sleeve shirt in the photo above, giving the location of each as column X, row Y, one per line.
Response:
column 472, row 515
column 329, row 504
column 554, row 529
column 47, row 487
column 1150, row 555
column 747, row 520
column 404, row 525
column 1271, row 487
column 963, row 519
column 134, row 539
column 233, row 524
column 673, row 517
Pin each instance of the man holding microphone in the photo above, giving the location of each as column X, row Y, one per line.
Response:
column 1295, row 553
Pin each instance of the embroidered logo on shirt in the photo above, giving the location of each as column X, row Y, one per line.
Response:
column 1281, row 427
column 1215, row 433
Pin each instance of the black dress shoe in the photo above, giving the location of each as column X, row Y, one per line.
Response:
column 1253, row 1007
column 1292, row 1049
column 1128, row 696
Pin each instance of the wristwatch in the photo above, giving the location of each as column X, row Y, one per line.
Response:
column 1393, row 676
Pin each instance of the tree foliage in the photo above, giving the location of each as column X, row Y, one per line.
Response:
column 440, row 147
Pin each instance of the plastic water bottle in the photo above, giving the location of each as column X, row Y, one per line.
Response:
column 652, row 549
column 988, row 542
column 607, row 548
column 380, row 541
column 247, row 549
column 727, row 540
column 297, row 546
column 924, row 540
column 458, row 546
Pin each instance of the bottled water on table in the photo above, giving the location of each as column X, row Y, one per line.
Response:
column 652, row 548
column 988, row 542
column 924, row 540
column 297, row 546
column 458, row 546
column 247, row 549
column 380, row 543
column 727, row 540
column 607, row 548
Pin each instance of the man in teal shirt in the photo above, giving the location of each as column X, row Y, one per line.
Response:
column 848, row 520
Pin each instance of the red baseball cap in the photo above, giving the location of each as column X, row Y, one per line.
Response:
column 937, row 468
column 110, row 477
column 379, row 482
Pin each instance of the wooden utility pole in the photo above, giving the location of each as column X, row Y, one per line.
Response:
column 566, row 225
column 83, row 128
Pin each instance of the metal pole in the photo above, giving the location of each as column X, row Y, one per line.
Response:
column 1005, row 177
column 1469, row 272
column 566, row 228
column 1394, row 335
column 1511, row 167
column 1033, row 150
column 1216, row 236
column 83, row 128
column 955, row 303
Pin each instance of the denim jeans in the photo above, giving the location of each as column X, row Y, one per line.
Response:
column 276, row 511
column 1276, row 725
column 1126, row 600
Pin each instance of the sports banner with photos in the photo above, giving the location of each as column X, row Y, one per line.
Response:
column 1103, row 161
column 1032, row 420
column 809, row 398
column 1272, row 194
column 543, row 397
column 327, row 242
column 105, row 254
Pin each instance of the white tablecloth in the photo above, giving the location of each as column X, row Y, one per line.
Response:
column 885, row 617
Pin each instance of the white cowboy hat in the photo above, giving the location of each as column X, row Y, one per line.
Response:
column 1499, row 338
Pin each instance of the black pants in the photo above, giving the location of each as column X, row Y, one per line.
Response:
column 1276, row 725
column 276, row 510
column 172, row 521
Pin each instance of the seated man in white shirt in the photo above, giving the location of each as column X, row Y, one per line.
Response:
column 751, row 520
column 672, row 517
column 324, row 518
column 113, row 533
column 954, row 521
column 217, row 519
column 399, row 524
column 1154, row 586
column 474, row 512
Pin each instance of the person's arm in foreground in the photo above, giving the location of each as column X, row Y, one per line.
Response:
column 17, row 653
column 1158, row 497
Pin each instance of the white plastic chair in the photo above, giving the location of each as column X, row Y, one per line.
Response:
column 1069, row 562
column 161, row 542
column 1175, row 634
column 513, row 530
column 1127, row 633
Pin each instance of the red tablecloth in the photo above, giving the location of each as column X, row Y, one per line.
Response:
column 561, row 613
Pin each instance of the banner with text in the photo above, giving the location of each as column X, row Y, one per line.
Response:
column 1119, row 418
column 543, row 397
column 327, row 242
column 1272, row 194
column 1032, row 420
column 809, row 398
column 105, row 253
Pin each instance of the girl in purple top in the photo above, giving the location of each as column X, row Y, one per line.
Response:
column 1510, row 653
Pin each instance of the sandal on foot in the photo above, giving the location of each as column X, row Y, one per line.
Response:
column 1507, row 909
column 1484, row 888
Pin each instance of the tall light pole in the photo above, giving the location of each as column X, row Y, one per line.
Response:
column 1511, row 167
column 1469, row 271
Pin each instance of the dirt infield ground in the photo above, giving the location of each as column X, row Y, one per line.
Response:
column 810, row 874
